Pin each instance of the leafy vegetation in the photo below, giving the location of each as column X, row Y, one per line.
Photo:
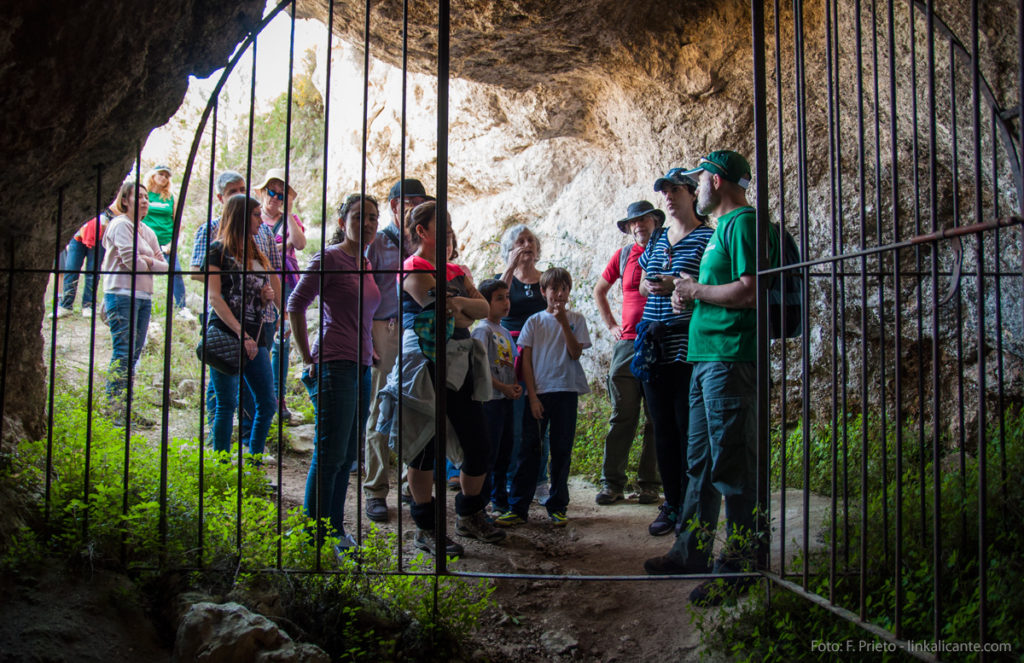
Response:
column 105, row 500
column 762, row 630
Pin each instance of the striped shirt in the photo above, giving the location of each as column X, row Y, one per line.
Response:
column 682, row 258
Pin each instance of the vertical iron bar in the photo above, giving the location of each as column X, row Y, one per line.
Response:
column 919, row 266
column 784, row 439
column 801, row 114
column 998, row 259
column 833, row 136
column 761, row 169
column 441, row 263
column 958, row 308
column 401, row 258
column 7, row 334
column 933, row 203
column 897, row 325
column 361, row 268
column 842, row 296
column 862, row 219
column 880, row 240
column 129, row 394
column 980, row 257
column 48, row 474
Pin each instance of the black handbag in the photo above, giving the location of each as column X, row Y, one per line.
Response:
column 222, row 350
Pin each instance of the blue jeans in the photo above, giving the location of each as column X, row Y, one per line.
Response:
column 344, row 392
column 248, row 406
column 559, row 422
column 259, row 383
column 279, row 353
column 499, row 428
column 78, row 253
column 179, row 283
column 126, row 341
column 722, row 458
column 518, row 407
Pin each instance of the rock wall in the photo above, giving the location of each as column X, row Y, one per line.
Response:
column 86, row 81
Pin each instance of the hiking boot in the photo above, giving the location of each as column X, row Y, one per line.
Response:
column 665, row 522
column 558, row 519
column 648, row 496
column 425, row 540
column 377, row 509
column 609, row 496
column 476, row 526
column 666, row 566
column 509, row 519
column 711, row 593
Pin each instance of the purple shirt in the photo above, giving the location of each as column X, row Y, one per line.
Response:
column 341, row 305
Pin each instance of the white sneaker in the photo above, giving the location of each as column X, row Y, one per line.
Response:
column 186, row 315
column 87, row 312
column 64, row 312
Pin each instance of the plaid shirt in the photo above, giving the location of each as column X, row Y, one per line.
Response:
column 264, row 242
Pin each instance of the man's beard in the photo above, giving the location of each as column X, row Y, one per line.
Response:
column 707, row 200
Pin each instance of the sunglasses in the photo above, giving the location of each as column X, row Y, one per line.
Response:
column 275, row 194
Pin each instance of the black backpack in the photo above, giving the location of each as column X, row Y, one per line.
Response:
column 791, row 309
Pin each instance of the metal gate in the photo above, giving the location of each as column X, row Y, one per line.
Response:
column 899, row 175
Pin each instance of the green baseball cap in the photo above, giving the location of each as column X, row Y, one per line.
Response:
column 726, row 164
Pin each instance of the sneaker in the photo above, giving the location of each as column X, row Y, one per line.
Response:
column 711, row 593
column 64, row 312
column 542, row 493
column 268, row 459
column 665, row 522
column 425, row 540
column 286, row 414
column 345, row 548
column 509, row 519
column 498, row 509
column 559, row 519
column 377, row 509
column 140, row 421
column 455, row 484
column 648, row 496
column 476, row 526
column 87, row 312
column 185, row 315
column 406, row 494
column 609, row 496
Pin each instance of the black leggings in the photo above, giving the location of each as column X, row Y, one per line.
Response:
column 466, row 416
column 668, row 401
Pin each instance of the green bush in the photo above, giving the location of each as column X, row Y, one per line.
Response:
column 109, row 514
column 759, row 626
column 595, row 410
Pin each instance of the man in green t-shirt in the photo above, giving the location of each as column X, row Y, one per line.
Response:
column 722, row 447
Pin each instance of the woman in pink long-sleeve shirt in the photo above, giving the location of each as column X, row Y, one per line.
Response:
column 132, row 254
column 336, row 373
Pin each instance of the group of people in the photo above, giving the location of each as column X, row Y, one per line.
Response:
column 687, row 352
column 684, row 351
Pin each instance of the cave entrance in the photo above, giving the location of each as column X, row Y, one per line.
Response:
column 882, row 145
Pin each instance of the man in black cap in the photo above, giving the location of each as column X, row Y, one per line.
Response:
column 626, row 393
column 722, row 449
column 384, row 254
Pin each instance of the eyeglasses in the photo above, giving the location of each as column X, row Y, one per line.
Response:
column 275, row 194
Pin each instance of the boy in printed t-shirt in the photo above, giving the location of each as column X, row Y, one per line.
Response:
column 501, row 354
column 551, row 344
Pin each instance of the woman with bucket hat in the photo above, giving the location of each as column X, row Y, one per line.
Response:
column 290, row 235
column 662, row 336
column 624, row 389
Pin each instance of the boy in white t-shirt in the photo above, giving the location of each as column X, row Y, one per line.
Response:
column 551, row 344
column 501, row 354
